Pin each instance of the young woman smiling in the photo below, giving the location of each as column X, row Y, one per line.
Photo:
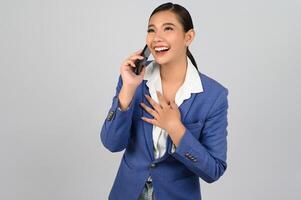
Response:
column 171, row 120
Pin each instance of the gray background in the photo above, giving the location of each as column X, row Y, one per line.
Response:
column 60, row 62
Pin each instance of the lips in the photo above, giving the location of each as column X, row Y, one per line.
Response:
column 161, row 50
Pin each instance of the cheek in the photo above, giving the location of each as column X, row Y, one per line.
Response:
column 178, row 46
column 176, row 40
column 148, row 39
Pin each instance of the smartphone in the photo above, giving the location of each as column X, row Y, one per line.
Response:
column 141, row 63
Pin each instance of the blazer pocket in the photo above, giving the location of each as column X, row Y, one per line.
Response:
column 195, row 128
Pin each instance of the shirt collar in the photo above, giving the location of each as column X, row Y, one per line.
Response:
column 192, row 82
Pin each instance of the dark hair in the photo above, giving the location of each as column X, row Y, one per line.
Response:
column 184, row 18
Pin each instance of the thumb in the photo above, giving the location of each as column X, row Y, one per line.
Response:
column 142, row 71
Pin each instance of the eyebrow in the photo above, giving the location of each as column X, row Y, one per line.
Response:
column 168, row 23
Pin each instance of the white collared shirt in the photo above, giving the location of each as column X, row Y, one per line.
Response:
column 192, row 84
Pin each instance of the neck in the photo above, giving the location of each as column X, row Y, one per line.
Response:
column 174, row 72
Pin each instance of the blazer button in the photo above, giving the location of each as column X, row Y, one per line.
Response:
column 110, row 115
column 153, row 165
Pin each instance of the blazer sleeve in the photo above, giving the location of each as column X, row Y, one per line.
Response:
column 116, row 129
column 206, row 157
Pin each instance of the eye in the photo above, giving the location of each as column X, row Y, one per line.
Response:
column 168, row 28
column 150, row 30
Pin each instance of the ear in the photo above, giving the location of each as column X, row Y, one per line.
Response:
column 189, row 36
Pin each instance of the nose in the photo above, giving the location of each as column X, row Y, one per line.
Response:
column 157, row 37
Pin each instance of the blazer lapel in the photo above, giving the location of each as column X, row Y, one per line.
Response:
column 184, row 109
column 148, row 128
column 185, row 106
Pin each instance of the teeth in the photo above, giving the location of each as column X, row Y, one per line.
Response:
column 161, row 48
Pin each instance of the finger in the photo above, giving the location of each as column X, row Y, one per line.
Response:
column 130, row 63
column 155, row 105
column 142, row 72
column 151, row 121
column 162, row 100
column 137, row 52
column 173, row 104
column 149, row 110
column 135, row 57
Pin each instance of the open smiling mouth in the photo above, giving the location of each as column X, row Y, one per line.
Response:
column 161, row 50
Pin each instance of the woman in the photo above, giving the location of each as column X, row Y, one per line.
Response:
column 171, row 119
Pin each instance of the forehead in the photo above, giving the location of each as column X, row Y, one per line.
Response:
column 162, row 17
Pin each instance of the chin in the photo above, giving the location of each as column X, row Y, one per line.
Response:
column 162, row 61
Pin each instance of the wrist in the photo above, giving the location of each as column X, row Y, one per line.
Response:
column 176, row 133
column 129, row 88
column 125, row 96
column 177, row 128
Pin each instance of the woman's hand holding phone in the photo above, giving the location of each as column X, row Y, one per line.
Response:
column 129, row 79
column 128, row 75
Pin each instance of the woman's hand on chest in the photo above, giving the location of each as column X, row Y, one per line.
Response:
column 166, row 116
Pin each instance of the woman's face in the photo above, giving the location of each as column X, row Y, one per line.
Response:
column 166, row 38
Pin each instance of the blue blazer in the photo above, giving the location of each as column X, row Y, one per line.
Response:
column 201, row 153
